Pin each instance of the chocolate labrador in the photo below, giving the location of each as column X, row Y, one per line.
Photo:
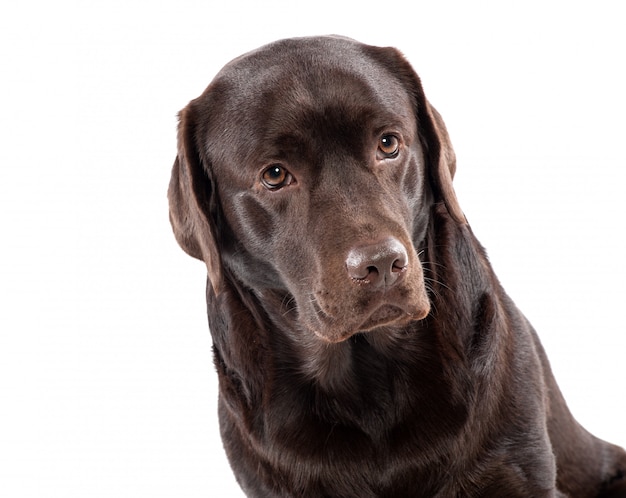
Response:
column 363, row 344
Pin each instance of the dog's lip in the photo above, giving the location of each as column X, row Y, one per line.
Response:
column 383, row 315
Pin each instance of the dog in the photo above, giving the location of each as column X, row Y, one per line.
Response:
column 363, row 344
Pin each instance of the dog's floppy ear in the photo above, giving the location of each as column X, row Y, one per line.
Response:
column 432, row 131
column 192, row 199
column 442, row 158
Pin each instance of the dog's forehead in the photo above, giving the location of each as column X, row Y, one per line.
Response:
column 294, row 84
column 316, row 71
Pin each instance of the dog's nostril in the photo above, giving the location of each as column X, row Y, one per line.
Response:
column 378, row 265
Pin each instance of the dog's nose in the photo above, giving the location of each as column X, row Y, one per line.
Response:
column 378, row 265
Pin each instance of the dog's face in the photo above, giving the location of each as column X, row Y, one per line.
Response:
column 315, row 182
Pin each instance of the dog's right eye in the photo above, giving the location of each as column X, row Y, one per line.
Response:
column 276, row 177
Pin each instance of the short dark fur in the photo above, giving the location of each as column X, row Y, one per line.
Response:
column 334, row 383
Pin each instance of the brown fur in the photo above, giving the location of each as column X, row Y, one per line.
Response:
column 339, row 374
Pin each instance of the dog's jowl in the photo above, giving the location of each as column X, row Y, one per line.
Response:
column 363, row 344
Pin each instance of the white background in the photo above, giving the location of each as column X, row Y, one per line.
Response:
column 106, row 380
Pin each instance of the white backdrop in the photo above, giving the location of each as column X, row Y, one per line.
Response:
column 107, row 387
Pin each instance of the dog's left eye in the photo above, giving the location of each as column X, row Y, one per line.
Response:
column 388, row 146
column 276, row 177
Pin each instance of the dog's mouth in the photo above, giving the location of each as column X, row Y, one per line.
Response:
column 336, row 309
column 336, row 330
column 387, row 314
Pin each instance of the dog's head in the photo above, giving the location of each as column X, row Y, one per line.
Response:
column 308, row 168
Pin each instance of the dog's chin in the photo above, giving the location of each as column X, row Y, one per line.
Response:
column 387, row 315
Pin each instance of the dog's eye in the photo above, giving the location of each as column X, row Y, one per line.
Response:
column 388, row 146
column 276, row 177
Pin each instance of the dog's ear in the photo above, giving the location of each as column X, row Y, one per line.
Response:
column 442, row 158
column 192, row 200
column 431, row 128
